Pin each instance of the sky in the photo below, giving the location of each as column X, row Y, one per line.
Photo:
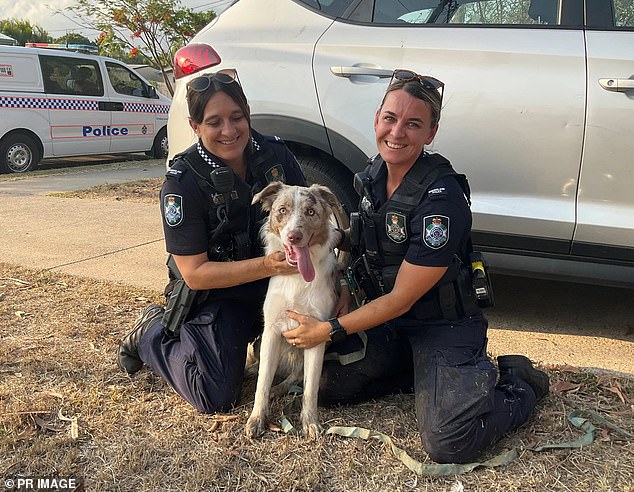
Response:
column 42, row 12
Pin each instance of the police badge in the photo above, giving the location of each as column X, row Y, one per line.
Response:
column 436, row 229
column 173, row 207
column 395, row 226
column 275, row 173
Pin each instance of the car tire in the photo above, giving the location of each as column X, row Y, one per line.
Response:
column 337, row 178
column 160, row 148
column 18, row 154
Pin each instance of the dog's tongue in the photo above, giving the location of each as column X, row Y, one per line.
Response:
column 304, row 264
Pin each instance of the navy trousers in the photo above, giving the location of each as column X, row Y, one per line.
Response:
column 461, row 406
column 206, row 364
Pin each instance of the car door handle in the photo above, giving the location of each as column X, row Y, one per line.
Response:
column 617, row 85
column 348, row 72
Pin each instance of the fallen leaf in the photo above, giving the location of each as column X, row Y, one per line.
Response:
column 53, row 393
column 617, row 391
column 561, row 387
column 569, row 368
column 224, row 418
column 273, row 427
column 74, row 426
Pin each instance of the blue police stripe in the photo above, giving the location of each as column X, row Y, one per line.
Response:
column 47, row 103
column 146, row 108
column 81, row 104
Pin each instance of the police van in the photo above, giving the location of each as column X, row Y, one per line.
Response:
column 59, row 103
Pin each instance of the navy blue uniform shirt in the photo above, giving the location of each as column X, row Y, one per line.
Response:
column 185, row 206
column 443, row 201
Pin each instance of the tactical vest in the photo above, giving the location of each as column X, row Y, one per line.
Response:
column 385, row 232
column 233, row 232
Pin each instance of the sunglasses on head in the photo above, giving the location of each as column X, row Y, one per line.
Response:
column 427, row 81
column 202, row 83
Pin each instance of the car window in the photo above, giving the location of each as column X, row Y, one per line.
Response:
column 624, row 13
column 125, row 81
column 479, row 12
column 75, row 76
column 334, row 8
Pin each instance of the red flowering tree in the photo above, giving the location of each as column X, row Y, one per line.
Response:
column 150, row 29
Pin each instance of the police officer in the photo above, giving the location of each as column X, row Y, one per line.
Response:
column 422, row 325
column 211, row 232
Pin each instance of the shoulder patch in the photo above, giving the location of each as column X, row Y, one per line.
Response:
column 436, row 231
column 173, row 208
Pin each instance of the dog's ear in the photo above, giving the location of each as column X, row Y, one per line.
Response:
column 267, row 195
column 328, row 196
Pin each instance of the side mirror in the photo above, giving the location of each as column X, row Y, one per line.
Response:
column 151, row 92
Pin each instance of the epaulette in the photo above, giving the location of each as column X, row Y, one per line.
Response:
column 273, row 138
column 439, row 192
column 178, row 167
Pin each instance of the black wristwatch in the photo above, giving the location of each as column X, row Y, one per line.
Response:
column 337, row 333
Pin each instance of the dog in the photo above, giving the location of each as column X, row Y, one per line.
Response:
column 298, row 224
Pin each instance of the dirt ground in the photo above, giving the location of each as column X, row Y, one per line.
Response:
column 66, row 410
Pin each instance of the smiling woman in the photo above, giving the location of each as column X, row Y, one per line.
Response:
column 219, row 276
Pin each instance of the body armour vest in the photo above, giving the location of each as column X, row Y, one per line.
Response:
column 234, row 224
column 386, row 244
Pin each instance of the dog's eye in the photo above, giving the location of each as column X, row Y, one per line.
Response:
column 282, row 210
column 310, row 212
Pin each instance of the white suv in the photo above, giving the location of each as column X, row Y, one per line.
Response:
column 538, row 109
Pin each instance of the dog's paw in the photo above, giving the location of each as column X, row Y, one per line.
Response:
column 312, row 430
column 254, row 427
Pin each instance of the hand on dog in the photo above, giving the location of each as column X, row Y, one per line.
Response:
column 276, row 264
column 310, row 332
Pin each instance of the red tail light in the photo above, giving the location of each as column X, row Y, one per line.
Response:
column 193, row 58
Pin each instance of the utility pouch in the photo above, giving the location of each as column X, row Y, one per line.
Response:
column 388, row 275
column 178, row 307
column 241, row 246
column 481, row 283
column 355, row 231
column 363, row 286
column 180, row 301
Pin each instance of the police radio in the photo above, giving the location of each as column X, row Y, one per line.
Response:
column 480, row 280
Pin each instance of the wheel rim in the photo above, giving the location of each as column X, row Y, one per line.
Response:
column 19, row 158
column 164, row 146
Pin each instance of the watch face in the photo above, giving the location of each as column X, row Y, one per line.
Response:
column 338, row 336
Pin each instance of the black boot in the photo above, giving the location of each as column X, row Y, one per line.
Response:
column 128, row 355
column 521, row 367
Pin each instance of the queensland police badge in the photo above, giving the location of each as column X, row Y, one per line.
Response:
column 173, row 207
column 436, row 229
column 395, row 226
column 276, row 173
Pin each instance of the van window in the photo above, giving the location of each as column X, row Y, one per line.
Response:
column 74, row 76
column 124, row 81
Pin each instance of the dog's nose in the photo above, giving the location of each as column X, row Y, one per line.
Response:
column 294, row 237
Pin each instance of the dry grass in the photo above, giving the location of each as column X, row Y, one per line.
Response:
column 143, row 190
column 58, row 336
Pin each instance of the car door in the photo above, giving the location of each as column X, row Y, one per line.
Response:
column 514, row 101
column 133, row 115
column 79, row 121
column 606, row 206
